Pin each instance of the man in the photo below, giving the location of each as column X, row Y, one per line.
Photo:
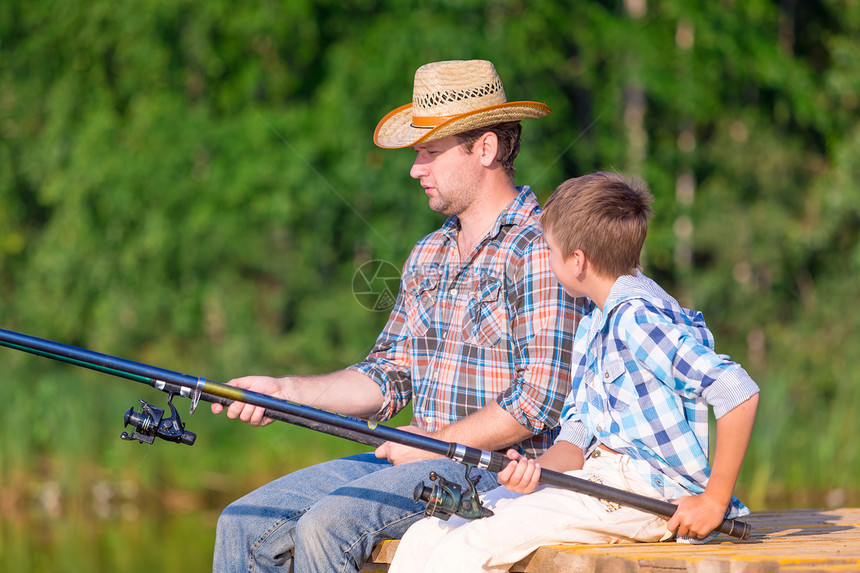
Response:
column 479, row 340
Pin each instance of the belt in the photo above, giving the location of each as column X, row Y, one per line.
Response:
column 596, row 453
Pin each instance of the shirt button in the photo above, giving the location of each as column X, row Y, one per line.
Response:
column 599, row 428
column 606, row 374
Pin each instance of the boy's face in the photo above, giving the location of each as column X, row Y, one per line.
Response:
column 562, row 268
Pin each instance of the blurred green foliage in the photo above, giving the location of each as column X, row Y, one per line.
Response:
column 193, row 185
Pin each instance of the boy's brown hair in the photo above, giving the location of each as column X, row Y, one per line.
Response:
column 604, row 215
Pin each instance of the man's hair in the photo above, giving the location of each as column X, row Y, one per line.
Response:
column 604, row 215
column 507, row 133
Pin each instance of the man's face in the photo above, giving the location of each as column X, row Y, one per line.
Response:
column 450, row 176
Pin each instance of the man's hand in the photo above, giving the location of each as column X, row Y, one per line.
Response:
column 521, row 475
column 400, row 454
column 696, row 516
column 246, row 412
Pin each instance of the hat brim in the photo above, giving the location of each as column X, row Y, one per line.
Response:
column 396, row 131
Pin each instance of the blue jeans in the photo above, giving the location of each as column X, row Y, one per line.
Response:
column 327, row 517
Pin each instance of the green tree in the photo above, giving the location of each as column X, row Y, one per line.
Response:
column 194, row 185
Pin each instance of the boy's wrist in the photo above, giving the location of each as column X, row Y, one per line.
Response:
column 716, row 500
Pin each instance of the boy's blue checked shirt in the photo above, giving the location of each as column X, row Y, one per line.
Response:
column 644, row 373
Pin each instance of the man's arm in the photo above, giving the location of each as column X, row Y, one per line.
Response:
column 543, row 322
column 352, row 391
column 347, row 392
column 490, row 428
column 698, row 515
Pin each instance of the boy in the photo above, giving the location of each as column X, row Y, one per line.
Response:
column 644, row 374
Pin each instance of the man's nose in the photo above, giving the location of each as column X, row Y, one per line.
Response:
column 419, row 169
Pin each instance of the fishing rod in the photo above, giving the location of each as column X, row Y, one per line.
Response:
column 443, row 499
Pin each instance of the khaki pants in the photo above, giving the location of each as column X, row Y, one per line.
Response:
column 522, row 523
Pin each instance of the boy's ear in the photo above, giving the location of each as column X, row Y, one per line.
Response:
column 578, row 261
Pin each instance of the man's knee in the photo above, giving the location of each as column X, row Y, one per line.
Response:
column 245, row 534
column 344, row 528
column 229, row 520
column 324, row 519
column 324, row 538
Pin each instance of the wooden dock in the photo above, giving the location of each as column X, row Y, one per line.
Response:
column 793, row 541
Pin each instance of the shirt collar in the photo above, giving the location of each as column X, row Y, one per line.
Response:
column 624, row 288
column 628, row 287
column 517, row 212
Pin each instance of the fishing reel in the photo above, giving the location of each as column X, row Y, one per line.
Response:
column 445, row 498
column 150, row 423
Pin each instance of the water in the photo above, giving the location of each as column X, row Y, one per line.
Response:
column 117, row 530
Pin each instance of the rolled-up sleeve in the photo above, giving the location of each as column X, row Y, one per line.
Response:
column 389, row 363
column 575, row 432
column 543, row 322
column 731, row 389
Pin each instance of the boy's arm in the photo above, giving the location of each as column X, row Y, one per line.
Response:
column 522, row 475
column 698, row 515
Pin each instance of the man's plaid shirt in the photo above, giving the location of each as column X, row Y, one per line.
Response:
column 494, row 327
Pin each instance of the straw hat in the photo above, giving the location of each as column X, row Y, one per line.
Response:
column 449, row 98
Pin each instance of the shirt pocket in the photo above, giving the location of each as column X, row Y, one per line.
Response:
column 420, row 291
column 620, row 389
column 485, row 322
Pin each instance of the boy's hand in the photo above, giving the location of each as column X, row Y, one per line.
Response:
column 521, row 475
column 696, row 516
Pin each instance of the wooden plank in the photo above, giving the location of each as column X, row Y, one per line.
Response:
column 793, row 541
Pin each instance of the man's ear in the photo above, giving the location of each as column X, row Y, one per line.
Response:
column 487, row 148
